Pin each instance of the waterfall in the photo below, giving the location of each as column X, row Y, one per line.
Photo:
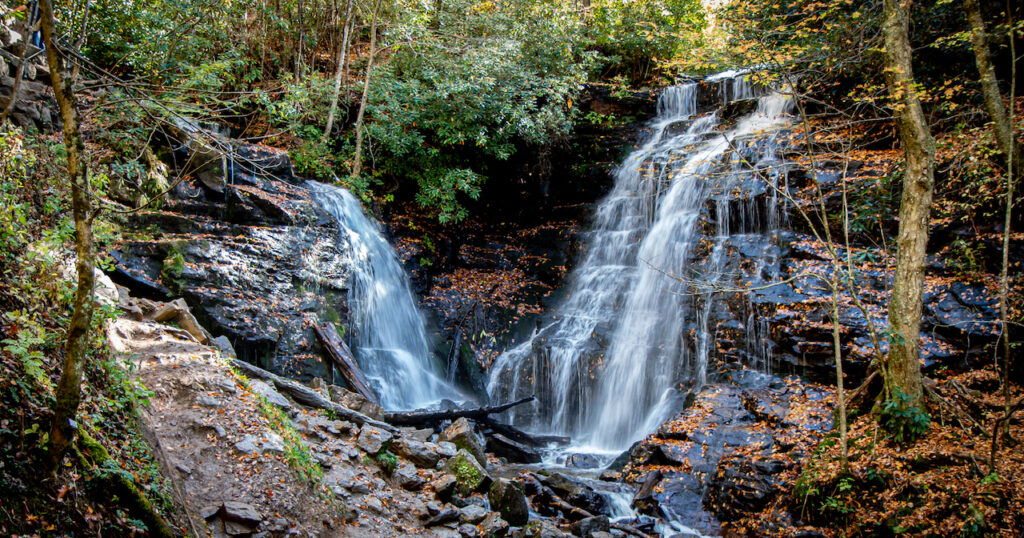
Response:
column 390, row 334
column 638, row 319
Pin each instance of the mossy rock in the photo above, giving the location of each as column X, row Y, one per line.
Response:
column 469, row 475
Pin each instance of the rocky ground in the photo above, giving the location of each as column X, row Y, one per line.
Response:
column 245, row 460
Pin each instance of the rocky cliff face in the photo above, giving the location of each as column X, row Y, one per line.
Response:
column 34, row 106
column 251, row 251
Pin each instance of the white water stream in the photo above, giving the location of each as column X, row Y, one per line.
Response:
column 637, row 319
column 390, row 341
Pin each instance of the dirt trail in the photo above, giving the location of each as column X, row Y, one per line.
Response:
column 231, row 467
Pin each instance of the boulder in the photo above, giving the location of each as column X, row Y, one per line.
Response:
column 419, row 453
column 269, row 394
column 354, row 401
column 493, row 526
column 472, row 513
column 242, row 513
column 372, row 439
column 588, row 526
column 508, row 499
column 407, row 477
column 540, row 528
column 444, row 486
column 576, row 493
column 461, row 434
column 469, row 475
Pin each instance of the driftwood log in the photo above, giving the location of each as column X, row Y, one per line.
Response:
column 307, row 396
column 424, row 418
column 339, row 352
column 520, row 436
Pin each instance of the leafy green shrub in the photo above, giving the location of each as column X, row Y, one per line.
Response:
column 388, row 461
column 449, row 105
column 634, row 35
column 903, row 419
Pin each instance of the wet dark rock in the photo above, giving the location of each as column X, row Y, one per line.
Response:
column 582, row 461
column 503, row 447
column 737, row 109
column 493, row 526
column 508, row 498
column 254, row 263
column 589, row 526
column 732, row 442
column 645, row 500
column 576, row 492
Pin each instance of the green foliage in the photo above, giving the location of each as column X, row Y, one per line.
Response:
column 635, row 35
column 966, row 259
column 903, row 419
column 26, row 346
column 388, row 461
column 450, row 105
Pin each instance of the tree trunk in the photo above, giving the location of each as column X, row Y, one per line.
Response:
column 357, row 164
column 82, row 33
column 69, row 389
column 1002, row 126
column 435, row 20
column 903, row 369
column 302, row 38
column 1012, row 167
column 342, row 58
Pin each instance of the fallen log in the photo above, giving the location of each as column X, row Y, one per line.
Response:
column 513, row 451
column 552, row 439
column 627, row 529
column 520, row 436
column 423, row 418
column 343, row 359
column 307, row 396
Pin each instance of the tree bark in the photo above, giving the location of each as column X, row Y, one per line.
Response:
column 419, row 418
column 902, row 372
column 435, row 19
column 82, row 33
column 69, row 389
column 1002, row 125
column 357, row 165
column 342, row 58
column 343, row 359
column 307, row 396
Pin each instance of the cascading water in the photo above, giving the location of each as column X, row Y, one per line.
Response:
column 391, row 343
column 638, row 317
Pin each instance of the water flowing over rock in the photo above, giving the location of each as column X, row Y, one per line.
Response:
column 640, row 312
column 390, row 341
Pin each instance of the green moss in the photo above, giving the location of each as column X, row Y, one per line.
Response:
column 467, row 474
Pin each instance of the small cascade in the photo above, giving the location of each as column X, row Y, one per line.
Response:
column 639, row 317
column 390, row 333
